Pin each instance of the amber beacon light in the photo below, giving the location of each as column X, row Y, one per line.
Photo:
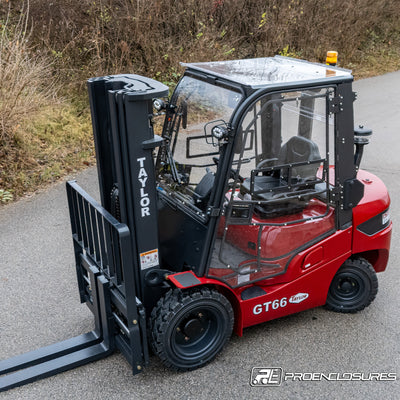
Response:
column 331, row 57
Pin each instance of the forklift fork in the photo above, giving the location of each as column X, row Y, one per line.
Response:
column 65, row 355
column 103, row 258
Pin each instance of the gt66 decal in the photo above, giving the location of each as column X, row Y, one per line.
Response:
column 279, row 303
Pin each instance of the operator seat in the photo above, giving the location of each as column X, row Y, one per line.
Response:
column 300, row 149
column 203, row 190
column 274, row 187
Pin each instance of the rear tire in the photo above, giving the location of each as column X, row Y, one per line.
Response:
column 189, row 328
column 353, row 288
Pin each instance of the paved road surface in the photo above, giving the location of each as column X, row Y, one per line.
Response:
column 39, row 304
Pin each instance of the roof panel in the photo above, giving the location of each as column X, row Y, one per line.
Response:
column 260, row 72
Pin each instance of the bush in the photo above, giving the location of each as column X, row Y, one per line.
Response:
column 69, row 41
column 26, row 85
column 33, row 151
column 26, row 81
column 89, row 38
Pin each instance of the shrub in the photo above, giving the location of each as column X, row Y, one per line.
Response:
column 41, row 136
column 89, row 38
column 26, row 81
column 69, row 41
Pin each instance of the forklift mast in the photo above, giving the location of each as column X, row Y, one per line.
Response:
column 122, row 111
column 110, row 254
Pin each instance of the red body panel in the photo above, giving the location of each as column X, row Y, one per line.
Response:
column 283, row 239
column 313, row 280
column 306, row 282
column 313, row 284
column 376, row 200
column 311, row 289
column 279, row 243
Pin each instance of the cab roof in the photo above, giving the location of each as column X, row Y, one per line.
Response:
column 263, row 72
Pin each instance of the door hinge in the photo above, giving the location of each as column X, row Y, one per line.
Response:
column 213, row 211
column 335, row 194
column 335, row 104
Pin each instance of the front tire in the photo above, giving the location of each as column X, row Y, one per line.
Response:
column 353, row 288
column 189, row 328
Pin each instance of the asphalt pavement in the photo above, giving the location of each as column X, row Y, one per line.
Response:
column 39, row 304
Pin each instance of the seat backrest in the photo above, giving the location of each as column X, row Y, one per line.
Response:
column 300, row 149
column 203, row 189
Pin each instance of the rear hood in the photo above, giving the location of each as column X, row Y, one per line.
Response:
column 375, row 200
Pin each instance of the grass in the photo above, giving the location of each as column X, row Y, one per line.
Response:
column 376, row 58
column 56, row 142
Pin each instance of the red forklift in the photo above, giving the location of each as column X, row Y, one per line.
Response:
column 236, row 201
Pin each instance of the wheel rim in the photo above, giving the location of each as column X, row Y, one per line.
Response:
column 348, row 288
column 197, row 334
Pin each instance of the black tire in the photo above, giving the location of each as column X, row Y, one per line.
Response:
column 189, row 328
column 353, row 288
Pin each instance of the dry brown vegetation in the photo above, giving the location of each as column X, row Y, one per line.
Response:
column 150, row 36
column 68, row 41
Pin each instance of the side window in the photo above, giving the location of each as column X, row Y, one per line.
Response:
column 282, row 164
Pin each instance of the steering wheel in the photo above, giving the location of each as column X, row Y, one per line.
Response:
column 277, row 196
column 266, row 161
column 232, row 173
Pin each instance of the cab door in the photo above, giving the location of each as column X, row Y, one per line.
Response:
column 280, row 202
column 187, row 170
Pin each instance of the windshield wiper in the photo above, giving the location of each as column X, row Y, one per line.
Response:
column 171, row 128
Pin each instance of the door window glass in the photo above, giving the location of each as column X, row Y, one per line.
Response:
column 279, row 202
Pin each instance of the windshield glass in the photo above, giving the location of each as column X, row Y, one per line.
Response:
column 198, row 107
column 204, row 104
